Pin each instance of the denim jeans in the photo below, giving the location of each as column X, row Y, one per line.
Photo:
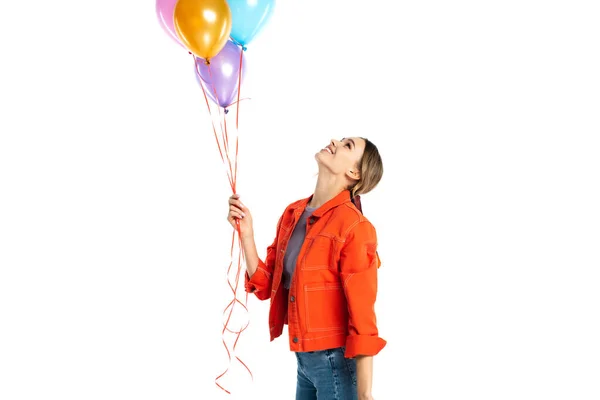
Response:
column 326, row 375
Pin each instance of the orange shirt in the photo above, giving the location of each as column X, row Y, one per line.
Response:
column 332, row 295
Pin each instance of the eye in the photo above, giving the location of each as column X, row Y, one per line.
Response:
column 348, row 145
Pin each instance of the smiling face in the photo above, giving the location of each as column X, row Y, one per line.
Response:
column 342, row 157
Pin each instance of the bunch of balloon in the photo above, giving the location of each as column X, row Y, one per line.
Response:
column 216, row 34
column 222, row 76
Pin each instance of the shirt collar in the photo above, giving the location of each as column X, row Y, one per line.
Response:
column 339, row 199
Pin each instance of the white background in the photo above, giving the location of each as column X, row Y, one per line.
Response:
column 114, row 242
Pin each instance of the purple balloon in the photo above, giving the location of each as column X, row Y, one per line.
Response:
column 223, row 76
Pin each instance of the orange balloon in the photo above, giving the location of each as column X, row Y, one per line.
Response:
column 203, row 25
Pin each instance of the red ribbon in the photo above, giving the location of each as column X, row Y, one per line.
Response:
column 232, row 177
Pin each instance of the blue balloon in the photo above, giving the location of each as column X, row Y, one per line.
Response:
column 248, row 18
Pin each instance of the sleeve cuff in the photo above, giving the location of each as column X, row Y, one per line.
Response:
column 248, row 284
column 363, row 345
column 259, row 283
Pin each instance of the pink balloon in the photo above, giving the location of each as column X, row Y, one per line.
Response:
column 165, row 10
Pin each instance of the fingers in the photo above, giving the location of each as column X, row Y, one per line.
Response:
column 236, row 209
column 233, row 219
column 234, row 201
column 236, row 212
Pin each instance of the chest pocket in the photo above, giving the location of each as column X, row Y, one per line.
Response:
column 319, row 253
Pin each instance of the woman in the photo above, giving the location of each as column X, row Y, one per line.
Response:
column 321, row 274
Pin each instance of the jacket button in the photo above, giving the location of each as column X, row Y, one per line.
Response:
column 295, row 340
column 292, row 299
column 311, row 220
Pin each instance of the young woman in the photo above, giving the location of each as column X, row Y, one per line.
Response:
column 320, row 274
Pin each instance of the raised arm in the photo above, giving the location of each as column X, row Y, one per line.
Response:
column 259, row 274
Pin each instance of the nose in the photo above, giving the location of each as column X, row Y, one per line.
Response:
column 335, row 142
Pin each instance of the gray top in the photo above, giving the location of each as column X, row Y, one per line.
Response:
column 293, row 247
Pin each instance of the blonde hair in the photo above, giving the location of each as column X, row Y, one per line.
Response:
column 371, row 170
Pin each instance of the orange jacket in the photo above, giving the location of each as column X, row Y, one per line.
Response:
column 333, row 289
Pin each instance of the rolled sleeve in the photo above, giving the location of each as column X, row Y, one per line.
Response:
column 363, row 345
column 260, row 283
column 359, row 263
column 262, row 280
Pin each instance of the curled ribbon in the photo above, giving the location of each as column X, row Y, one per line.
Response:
column 231, row 169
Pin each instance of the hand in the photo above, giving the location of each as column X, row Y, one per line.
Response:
column 239, row 214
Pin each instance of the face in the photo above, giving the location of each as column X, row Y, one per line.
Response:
column 342, row 156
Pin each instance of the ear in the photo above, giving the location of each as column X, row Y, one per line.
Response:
column 353, row 174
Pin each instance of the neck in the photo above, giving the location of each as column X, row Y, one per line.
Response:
column 327, row 188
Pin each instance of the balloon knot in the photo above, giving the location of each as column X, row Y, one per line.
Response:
column 226, row 111
column 207, row 62
column 244, row 48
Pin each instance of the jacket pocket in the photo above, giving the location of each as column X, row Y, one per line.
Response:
column 326, row 307
column 319, row 253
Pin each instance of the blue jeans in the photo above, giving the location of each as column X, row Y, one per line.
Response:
column 326, row 375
